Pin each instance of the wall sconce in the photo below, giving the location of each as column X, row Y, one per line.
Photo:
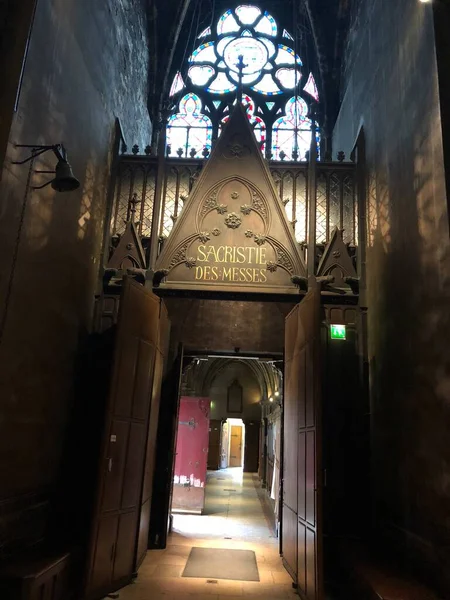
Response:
column 64, row 180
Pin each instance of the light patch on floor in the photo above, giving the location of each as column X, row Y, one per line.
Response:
column 237, row 515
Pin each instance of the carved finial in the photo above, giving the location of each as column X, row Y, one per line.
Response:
column 123, row 148
column 193, row 153
column 282, row 155
column 135, row 149
column 205, row 152
column 133, row 203
column 168, row 150
column 148, row 150
column 295, row 154
column 180, row 152
column 341, row 156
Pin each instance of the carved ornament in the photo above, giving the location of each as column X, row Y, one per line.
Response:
column 233, row 221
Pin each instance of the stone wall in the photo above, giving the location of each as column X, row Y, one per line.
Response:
column 391, row 90
column 87, row 65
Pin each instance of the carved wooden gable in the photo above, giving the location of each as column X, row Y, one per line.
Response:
column 337, row 263
column 233, row 233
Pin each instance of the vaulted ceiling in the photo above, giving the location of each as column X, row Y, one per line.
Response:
column 327, row 20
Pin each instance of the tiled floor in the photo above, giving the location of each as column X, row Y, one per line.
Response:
column 232, row 519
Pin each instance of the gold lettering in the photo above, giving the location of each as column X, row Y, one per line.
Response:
column 227, row 274
column 263, row 275
column 228, row 254
column 207, row 273
column 248, row 273
column 256, row 275
column 201, row 251
column 198, row 272
column 241, row 254
column 211, row 251
column 262, row 256
column 215, row 275
column 235, row 274
column 219, row 249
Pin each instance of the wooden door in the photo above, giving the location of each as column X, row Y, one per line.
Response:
column 302, row 471
column 224, row 446
column 147, row 485
column 214, row 447
column 118, row 508
column 251, row 449
column 191, row 455
column 236, row 446
column 165, row 454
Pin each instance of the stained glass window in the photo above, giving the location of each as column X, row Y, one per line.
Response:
column 247, row 14
column 258, row 125
column 311, row 87
column 291, row 134
column 205, row 32
column 189, row 131
column 200, row 75
column 245, row 46
column 177, row 85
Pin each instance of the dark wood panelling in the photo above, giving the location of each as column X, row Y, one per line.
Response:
column 147, row 485
column 302, row 468
column 117, row 518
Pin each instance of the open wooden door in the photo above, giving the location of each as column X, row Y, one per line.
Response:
column 236, row 446
column 165, row 454
column 126, row 425
column 302, row 470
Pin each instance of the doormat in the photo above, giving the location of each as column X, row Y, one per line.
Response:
column 222, row 563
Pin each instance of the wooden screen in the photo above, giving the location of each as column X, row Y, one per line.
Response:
column 301, row 533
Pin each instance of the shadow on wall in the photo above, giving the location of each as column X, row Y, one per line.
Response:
column 408, row 273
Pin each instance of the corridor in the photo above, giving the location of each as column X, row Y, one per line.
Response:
column 234, row 519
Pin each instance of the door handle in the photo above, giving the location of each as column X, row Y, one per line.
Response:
column 110, row 464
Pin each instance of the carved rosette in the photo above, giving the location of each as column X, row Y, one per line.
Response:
column 222, row 209
column 249, row 233
column 246, row 209
column 233, row 221
column 236, row 149
column 215, row 231
column 271, row 266
column 204, row 236
column 190, row 262
column 260, row 239
column 234, row 195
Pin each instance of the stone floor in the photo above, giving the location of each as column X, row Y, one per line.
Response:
column 233, row 519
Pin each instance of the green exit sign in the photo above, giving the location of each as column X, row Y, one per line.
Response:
column 338, row 332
